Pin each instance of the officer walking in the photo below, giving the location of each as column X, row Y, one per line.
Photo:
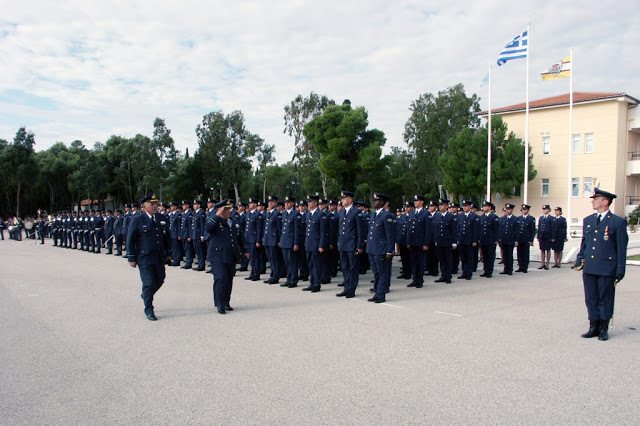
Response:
column 380, row 246
column 351, row 236
column 527, row 232
column 602, row 259
column 147, row 245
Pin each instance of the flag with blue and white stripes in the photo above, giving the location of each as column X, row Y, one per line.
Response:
column 518, row 48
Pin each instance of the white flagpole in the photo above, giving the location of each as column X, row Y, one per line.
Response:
column 526, row 137
column 570, row 141
column 489, row 143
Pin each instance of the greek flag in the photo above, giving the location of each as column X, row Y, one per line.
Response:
column 518, row 48
column 485, row 80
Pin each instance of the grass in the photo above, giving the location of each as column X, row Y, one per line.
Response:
column 636, row 257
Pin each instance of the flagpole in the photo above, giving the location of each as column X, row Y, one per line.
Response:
column 526, row 138
column 489, row 143
column 570, row 140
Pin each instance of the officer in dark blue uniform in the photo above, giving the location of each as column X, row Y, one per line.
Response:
column 301, row 232
column 175, row 221
column 325, row 273
column 316, row 242
column 454, row 209
column 469, row 234
column 526, row 235
column 289, row 241
column 117, row 231
column 558, row 236
column 242, row 221
column 271, row 238
column 210, row 212
column 226, row 246
column 185, row 234
column 380, row 246
column 489, row 231
column 125, row 226
column 351, row 236
column 147, row 244
column 445, row 235
column 602, row 259
column 109, row 223
column 401, row 241
column 333, row 254
column 544, row 236
column 418, row 238
column 432, row 254
column 197, row 233
column 508, row 238
column 253, row 230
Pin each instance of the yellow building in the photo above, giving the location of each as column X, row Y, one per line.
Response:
column 605, row 147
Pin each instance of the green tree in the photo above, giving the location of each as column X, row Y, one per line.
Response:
column 165, row 149
column 434, row 121
column 18, row 163
column 345, row 146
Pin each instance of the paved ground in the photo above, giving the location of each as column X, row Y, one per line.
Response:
column 77, row 349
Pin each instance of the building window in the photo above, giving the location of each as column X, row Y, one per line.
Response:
column 546, row 145
column 576, row 144
column 575, row 187
column 588, row 143
column 587, row 190
column 545, row 187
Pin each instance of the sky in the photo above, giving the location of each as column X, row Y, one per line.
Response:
column 88, row 70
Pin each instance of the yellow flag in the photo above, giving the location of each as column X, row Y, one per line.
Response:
column 561, row 70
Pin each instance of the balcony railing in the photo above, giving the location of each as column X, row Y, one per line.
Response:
column 633, row 201
column 633, row 156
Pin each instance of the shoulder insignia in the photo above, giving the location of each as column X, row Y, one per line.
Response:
column 324, row 217
column 389, row 220
column 360, row 214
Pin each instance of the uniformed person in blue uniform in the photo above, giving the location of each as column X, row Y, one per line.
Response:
column 289, row 241
column 526, row 235
column 301, row 228
column 454, row 208
column 351, row 236
column 469, row 234
column 508, row 238
column 109, row 223
column 418, row 238
column 380, row 246
column 558, row 236
column 401, row 241
column 325, row 273
column 226, row 246
column 175, row 221
column 602, row 259
column 254, row 227
column 197, row 234
column 185, row 234
column 147, row 244
column 544, row 236
column 445, row 235
column 242, row 221
column 210, row 212
column 271, row 238
column 117, row 231
column 333, row 254
column 125, row 226
column 489, row 231
column 316, row 242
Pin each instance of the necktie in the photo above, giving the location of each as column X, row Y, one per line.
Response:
column 598, row 220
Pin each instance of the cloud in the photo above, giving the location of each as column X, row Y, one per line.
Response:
column 111, row 68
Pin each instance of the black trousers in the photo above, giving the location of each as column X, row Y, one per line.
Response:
column 445, row 256
column 466, row 256
column 152, row 279
column 523, row 255
column 599, row 296
column 418, row 263
column 488, row 257
column 507, row 260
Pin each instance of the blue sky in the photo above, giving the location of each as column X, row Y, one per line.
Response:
column 88, row 70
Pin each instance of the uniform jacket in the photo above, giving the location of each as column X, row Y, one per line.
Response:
column 317, row 234
column 185, row 226
column 333, row 228
column 418, row 233
column 147, row 243
column 544, row 227
column 253, row 228
column 197, row 225
column 559, row 228
column 301, row 228
column 445, row 229
column 527, row 227
column 272, row 228
column 209, row 213
column 125, row 223
column 288, row 235
column 401, row 229
column 489, row 229
column 604, row 246
column 175, row 220
column 381, row 239
column 108, row 226
column 117, row 225
column 352, row 229
column 468, row 228
column 509, row 230
column 226, row 243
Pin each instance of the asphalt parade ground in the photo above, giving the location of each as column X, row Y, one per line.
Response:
column 77, row 349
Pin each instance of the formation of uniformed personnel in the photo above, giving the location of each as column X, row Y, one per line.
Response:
column 558, row 236
column 602, row 259
column 544, row 236
column 148, row 245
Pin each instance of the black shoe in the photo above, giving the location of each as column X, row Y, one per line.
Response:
column 325, row 281
column 518, row 270
column 228, row 308
column 350, row 296
column 372, row 281
column 419, row 285
column 304, row 278
column 500, row 263
column 524, row 271
column 152, row 317
column 342, row 294
column 293, row 285
column 256, row 278
column 341, row 285
column 249, row 278
column 594, row 330
column 504, row 273
column 240, row 270
column 461, row 277
column 372, row 290
column 546, row 267
column 373, row 299
column 210, row 271
column 448, row 281
column 604, row 327
column 487, row 275
column 413, row 284
column 379, row 300
column 221, row 310
column 199, row 269
column 185, row 267
column 440, row 280
column 483, row 274
column 308, row 288
column 286, row 284
column 541, row 267
column 468, row 277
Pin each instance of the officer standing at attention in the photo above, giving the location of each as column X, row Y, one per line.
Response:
column 316, row 242
column 602, row 259
column 401, row 241
column 185, row 234
column 527, row 226
column 125, row 226
column 197, row 233
column 445, row 235
column 147, row 249
column 489, row 230
column 271, row 238
column 109, row 222
column 418, row 237
column 544, row 236
column 469, row 233
column 381, row 242
column 508, row 238
column 210, row 212
column 289, row 241
column 301, row 231
column 242, row 221
column 226, row 246
column 175, row 219
column 334, row 254
column 253, row 236
column 558, row 236
column 117, row 231
column 351, row 236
